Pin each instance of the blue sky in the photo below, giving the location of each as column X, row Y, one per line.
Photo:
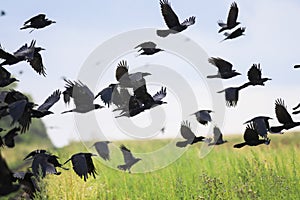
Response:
column 272, row 39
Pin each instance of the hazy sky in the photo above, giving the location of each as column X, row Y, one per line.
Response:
column 272, row 39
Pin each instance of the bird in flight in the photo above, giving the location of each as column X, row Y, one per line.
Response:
column 203, row 116
column 231, row 19
column 102, row 149
column 236, row 33
column 255, row 76
column 37, row 22
column 129, row 159
column 225, row 70
column 5, row 77
column 148, row 48
column 232, row 94
column 218, row 137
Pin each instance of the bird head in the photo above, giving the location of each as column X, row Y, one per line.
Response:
column 97, row 106
column 37, row 49
column 48, row 112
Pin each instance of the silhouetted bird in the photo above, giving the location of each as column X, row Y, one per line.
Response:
column 283, row 117
column 172, row 21
column 225, row 70
column 231, row 19
column 8, row 139
column 5, row 77
column 7, row 179
column 83, row 165
column 43, row 109
column 232, row 94
column 102, row 149
column 129, row 159
column 83, row 97
column 261, row 125
column 237, row 33
column 187, row 134
column 148, row 48
column 37, row 22
column 28, row 184
column 203, row 116
column 218, row 137
column 2, row 13
column 37, row 62
column 251, row 137
column 254, row 76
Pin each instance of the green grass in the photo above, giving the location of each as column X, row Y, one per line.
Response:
column 263, row 172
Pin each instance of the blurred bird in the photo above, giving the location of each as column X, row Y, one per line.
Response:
column 237, row 33
column 37, row 62
column 172, row 21
column 251, row 137
column 218, row 137
column 148, row 48
column 261, row 125
column 283, row 117
column 129, row 159
column 187, row 134
column 254, row 76
column 225, row 70
column 102, row 149
column 232, row 94
column 83, row 165
column 2, row 13
column 83, row 97
column 203, row 116
column 37, row 22
column 8, row 139
column 28, row 184
column 5, row 77
column 231, row 19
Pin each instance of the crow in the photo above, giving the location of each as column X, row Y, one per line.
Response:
column 102, row 149
column 254, row 76
column 148, row 48
column 8, row 139
column 5, row 77
column 225, row 70
column 218, row 137
column 232, row 94
column 238, row 32
column 37, row 22
column 129, row 159
column 203, row 116
column 231, row 19
column 261, row 125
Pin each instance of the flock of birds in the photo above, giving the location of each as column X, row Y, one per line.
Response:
column 129, row 96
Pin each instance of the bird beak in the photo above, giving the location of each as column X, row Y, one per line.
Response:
column 42, row 49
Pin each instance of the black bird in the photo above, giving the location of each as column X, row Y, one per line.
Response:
column 172, row 21
column 238, row 32
column 218, row 137
column 37, row 62
column 188, row 134
column 283, row 117
column 251, row 137
column 83, row 165
column 37, row 22
column 232, row 94
column 5, row 77
column 129, row 159
column 8, row 139
column 296, row 66
column 102, row 149
column 261, row 125
column 29, row 185
column 83, row 97
column 2, row 13
column 7, row 179
column 225, row 70
column 203, row 116
column 254, row 76
column 43, row 109
column 35, row 152
column 148, row 48
column 295, row 108
column 231, row 19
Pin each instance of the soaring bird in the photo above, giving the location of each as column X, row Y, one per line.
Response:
column 102, row 149
column 237, row 33
column 203, row 116
column 37, row 22
column 43, row 109
column 5, row 77
column 188, row 134
column 254, row 76
column 148, row 48
column 232, row 94
column 218, row 137
column 231, row 19
column 283, row 117
column 8, row 138
column 129, row 159
column 83, row 165
column 261, row 125
column 251, row 137
column 83, row 97
column 225, row 70
column 172, row 21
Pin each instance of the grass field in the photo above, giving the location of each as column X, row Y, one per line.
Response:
column 263, row 172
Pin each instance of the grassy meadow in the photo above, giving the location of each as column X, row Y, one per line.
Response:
column 262, row 172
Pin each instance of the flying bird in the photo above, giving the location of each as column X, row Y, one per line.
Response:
column 172, row 21
column 83, row 165
column 8, row 138
column 261, row 125
column 2, row 13
column 188, row 134
column 37, row 22
column 203, row 116
column 237, row 33
column 148, row 48
column 255, row 76
column 232, row 94
column 218, row 137
column 5, row 77
column 27, row 182
column 129, row 159
column 102, row 149
column 225, row 70
column 231, row 19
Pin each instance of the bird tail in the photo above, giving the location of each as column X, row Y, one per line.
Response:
column 276, row 129
column 239, row 145
column 222, row 29
column 163, row 33
column 212, row 76
column 182, row 144
column 24, row 27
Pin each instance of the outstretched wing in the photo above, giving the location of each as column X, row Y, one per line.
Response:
column 250, row 133
column 186, row 131
column 37, row 64
column 50, row 101
column 4, row 74
column 5, row 55
column 39, row 17
column 222, row 65
column 190, row 21
column 254, row 73
column 146, row 45
column 232, row 15
column 169, row 15
column 128, row 157
column 122, row 69
column 281, row 113
column 160, row 94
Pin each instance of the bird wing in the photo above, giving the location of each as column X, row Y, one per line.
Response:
column 82, row 95
column 170, row 17
column 38, row 17
column 106, row 95
column 254, row 73
column 160, row 94
column 128, row 157
column 37, row 64
column 232, row 15
column 50, row 101
column 102, row 149
column 80, row 165
column 189, row 21
column 122, row 69
column 186, row 131
column 5, row 55
column 25, row 51
column 250, row 133
column 16, row 110
column 222, row 65
column 4, row 74
column 6, row 178
column 68, row 93
column 218, row 136
column 146, row 45
column 281, row 113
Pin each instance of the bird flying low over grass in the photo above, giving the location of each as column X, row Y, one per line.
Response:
column 261, row 125
column 148, row 48
column 203, row 116
column 37, row 22
column 231, row 19
column 225, row 70
column 172, row 21
column 236, row 33
column 218, row 137
column 129, row 159
column 232, row 94
column 102, row 149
